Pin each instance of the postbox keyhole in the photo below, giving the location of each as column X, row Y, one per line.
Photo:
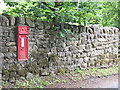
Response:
column 21, row 48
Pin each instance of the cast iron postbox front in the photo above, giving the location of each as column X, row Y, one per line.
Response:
column 23, row 34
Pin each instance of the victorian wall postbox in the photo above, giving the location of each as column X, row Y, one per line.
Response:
column 23, row 34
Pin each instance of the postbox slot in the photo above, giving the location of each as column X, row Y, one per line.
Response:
column 22, row 42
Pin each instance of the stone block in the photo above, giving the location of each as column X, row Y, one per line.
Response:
column 71, row 48
column 86, row 59
column 29, row 76
column 53, row 50
column 102, row 40
column 96, row 28
column 83, row 55
column 0, row 20
column 40, row 24
column 84, row 41
column 82, row 47
column 66, row 49
column 30, row 23
column 91, row 31
column 8, row 55
column 12, row 49
column 63, row 45
column 20, row 20
column 1, row 56
column 80, row 60
column 12, row 20
column 115, row 45
column 69, row 58
column 61, row 54
column 115, row 51
column 75, row 29
column 68, row 53
column 11, row 44
column 0, row 78
column 78, row 55
column 74, row 56
column 5, row 21
column 12, row 80
column 84, row 65
column 100, row 47
column 92, row 63
column 47, row 25
column 4, row 49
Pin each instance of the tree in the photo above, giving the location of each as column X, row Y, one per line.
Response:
column 85, row 13
column 109, row 14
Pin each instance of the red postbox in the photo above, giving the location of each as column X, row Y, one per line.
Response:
column 23, row 34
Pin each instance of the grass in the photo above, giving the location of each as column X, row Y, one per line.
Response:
column 96, row 72
column 63, row 81
column 32, row 83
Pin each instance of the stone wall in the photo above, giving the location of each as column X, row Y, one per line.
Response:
column 91, row 46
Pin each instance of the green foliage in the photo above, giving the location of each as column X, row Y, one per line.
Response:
column 105, row 13
column 79, row 71
column 109, row 14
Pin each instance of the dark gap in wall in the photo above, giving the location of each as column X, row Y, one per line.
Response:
column 79, row 30
column 16, row 38
column 103, row 30
column 92, row 29
column 86, row 29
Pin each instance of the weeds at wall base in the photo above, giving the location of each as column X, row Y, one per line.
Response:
column 41, row 82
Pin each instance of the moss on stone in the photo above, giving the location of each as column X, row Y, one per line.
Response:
column 36, row 72
column 54, row 57
column 11, row 44
column 92, row 64
column 102, row 56
column 44, row 62
column 5, row 72
column 42, row 71
column 115, row 55
column 32, row 67
column 55, row 64
column 17, row 76
column 104, row 61
column 97, row 62
column 13, row 68
column 62, row 70
column 110, row 60
column 12, row 74
column 35, row 64
column 23, row 72
column 111, row 56
column 34, row 53
column 116, row 60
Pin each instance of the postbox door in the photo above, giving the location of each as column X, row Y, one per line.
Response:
column 22, row 47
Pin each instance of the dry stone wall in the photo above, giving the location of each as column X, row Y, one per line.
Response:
column 92, row 46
